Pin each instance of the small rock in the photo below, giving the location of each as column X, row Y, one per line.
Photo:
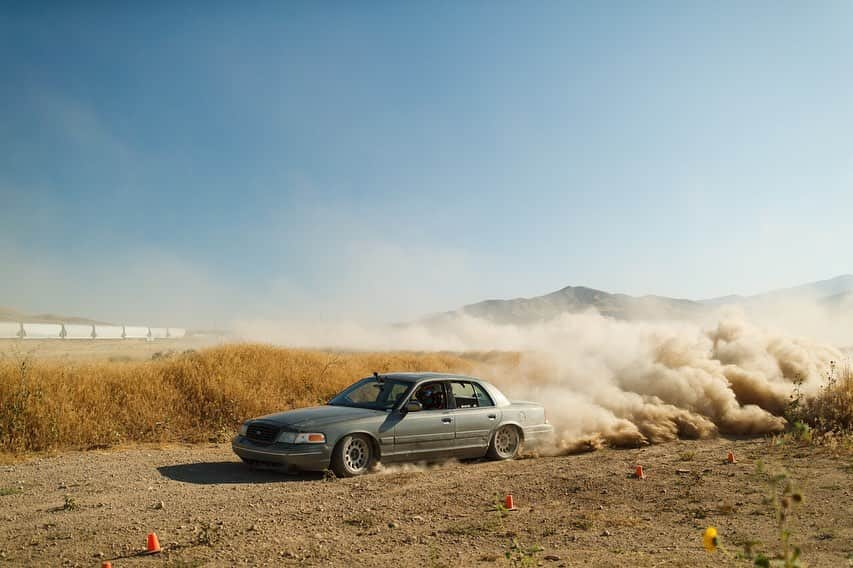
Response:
column 552, row 557
column 606, row 533
column 158, row 505
column 393, row 525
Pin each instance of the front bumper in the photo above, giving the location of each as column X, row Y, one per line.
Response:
column 308, row 457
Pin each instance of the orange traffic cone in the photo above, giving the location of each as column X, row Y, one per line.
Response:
column 639, row 473
column 153, row 543
column 508, row 503
column 730, row 457
column 106, row 564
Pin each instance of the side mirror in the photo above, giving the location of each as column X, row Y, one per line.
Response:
column 413, row 406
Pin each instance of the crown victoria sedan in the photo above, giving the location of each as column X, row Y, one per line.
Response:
column 396, row 417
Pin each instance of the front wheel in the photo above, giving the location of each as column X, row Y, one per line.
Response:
column 506, row 443
column 352, row 456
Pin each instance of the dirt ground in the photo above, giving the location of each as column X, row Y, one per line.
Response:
column 80, row 508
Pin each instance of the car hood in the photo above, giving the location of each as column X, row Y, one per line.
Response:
column 319, row 416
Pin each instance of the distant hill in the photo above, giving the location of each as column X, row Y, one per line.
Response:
column 8, row 314
column 820, row 291
column 573, row 299
column 836, row 293
column 839, row 301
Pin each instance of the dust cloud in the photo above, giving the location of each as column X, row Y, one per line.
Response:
column 606, row 381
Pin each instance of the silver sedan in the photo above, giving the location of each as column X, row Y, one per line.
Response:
column 396, row 417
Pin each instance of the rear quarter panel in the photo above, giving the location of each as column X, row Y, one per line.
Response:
column 524, row 413
column 530, row 417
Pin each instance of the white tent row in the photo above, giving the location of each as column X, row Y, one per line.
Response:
column 109, row 332
column 42, row 330
column 10, row 329
column 16, row 330
column 136, row 332
column 79, row 331
column 158, row 332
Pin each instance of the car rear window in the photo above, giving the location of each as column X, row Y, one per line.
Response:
column 483, row 398
column 469, row 395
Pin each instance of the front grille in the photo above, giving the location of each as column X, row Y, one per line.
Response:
column 261, row 432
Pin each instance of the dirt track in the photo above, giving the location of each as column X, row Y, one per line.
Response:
column 208, row 509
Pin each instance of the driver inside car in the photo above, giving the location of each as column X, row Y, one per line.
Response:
column 431, row 396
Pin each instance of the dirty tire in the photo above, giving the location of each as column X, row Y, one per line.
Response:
column 506, row 443
column 353, row 456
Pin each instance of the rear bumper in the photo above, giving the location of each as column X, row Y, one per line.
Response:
column 538, row 435
column 303, row 457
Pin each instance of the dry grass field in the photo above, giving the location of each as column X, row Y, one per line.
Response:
column 132, row 393
column 115, row 350
column 79, row 395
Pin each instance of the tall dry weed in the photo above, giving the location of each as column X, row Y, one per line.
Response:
column 832, row 409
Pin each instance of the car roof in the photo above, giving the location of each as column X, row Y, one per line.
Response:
column 415, row 377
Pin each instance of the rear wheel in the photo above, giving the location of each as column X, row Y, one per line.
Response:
column 353, row 456
column 506, row 443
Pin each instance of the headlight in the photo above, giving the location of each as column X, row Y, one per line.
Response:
column 302, row 438
column 244, row 428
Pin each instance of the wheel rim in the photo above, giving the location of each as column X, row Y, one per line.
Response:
column 506, row 441
column 356, row 454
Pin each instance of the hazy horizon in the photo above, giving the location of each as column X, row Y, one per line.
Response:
column 720, row 301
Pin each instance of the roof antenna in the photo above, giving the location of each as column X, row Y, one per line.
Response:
column 377, row 377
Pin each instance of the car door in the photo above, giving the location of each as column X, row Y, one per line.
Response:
column 475, row 416
column 425, row 433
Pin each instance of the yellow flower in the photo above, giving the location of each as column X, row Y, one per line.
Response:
column 710, row 540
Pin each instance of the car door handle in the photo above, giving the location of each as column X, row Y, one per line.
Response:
column 447, row 420
column 492, row 416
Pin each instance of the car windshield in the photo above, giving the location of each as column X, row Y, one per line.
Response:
column 373, row 393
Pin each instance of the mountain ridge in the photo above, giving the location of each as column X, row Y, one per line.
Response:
column 835, row 292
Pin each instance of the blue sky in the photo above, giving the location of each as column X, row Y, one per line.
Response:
column 208, row 162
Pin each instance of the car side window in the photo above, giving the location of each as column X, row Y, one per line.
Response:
column 464, row 394
column 483, row 398
column 431, row 396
